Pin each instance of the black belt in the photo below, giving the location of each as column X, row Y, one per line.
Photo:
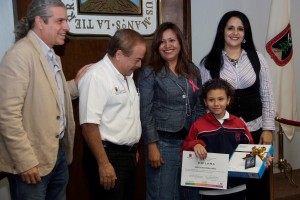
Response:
column 124, row 148
column 180, row 135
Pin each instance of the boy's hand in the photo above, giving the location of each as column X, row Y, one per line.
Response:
column 200, row 151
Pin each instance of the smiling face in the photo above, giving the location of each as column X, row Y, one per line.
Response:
column 169, row 47
column 234, row 33
column 53, row 32
column 216, row 102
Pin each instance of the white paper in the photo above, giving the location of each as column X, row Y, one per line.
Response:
column 209, row 173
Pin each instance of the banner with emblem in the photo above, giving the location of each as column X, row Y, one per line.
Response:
column 279, row 54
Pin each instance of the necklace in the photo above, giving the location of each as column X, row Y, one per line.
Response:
column 185, row 95
column 233, row 61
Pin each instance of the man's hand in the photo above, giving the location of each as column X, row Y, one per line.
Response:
column 107, row 176
column 31, row 176
column 106, row 171
column 81, row 72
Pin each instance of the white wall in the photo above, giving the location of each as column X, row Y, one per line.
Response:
column 206, row 15
column 205, row 18
column 7, row 26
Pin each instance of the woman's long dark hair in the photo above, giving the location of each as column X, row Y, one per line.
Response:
column 213, row 61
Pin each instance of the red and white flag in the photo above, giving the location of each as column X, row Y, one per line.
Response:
column 280, row 58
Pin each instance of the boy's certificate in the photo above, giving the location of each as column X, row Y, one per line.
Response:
column 209, row 173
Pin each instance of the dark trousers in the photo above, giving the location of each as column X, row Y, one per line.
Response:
column 124, row 164
column 258, row 188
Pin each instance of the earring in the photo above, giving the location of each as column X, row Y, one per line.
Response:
column 244, row 41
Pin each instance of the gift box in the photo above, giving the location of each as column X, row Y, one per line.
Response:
column 249, row 161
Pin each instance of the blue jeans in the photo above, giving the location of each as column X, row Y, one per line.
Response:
column 52, row 186
column 164, row 183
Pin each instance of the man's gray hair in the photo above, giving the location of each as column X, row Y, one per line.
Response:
column 35, row 8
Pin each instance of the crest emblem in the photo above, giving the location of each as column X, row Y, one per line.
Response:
column 280, row 48
column 238, row 137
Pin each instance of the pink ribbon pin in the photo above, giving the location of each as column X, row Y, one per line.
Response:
column 194, row 87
